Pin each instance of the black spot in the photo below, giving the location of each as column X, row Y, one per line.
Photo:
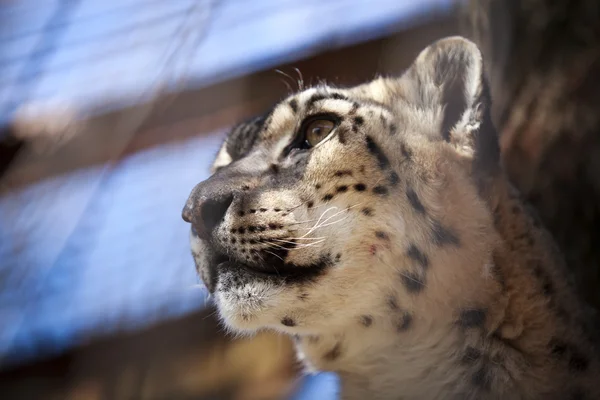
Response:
column 262, row 209
column 548, row 288
column 287, row 321
column 374, row 149
column 417, row 255
column 338, row 96
column 472, row 318
column 578, row 362
column 360, row 187
column 342, row 188
column 366, row 320
column 470, row 356
column 558, row 348
column 367, row 211
column 442, row 236
column 233, row 230
column 274, row 168
column 315, row 97
column 252, row 211
column 354, row 108
column 252, row 241
column 303, row 296
column 358, row 120
column 245, row 187
column 334, row 353
column 405, row 322
column 406, row 152
column 338, row 256
column 382, row 235
column 277, row 209
column 393, row 178
column 272, row 226
column 482, row 378
column 294, row 105
column 414, row 200
column 243, row 241
column 393, row 129
column 327, row 197
column 318, row 186
column 233, row 240
column 380, row 190
column 241, row 213
column 252, row 229
column 412, row 282
column 344, row 172
column 310, row 204
column 393, row 303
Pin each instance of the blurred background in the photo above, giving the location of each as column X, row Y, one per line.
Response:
column 120, row 107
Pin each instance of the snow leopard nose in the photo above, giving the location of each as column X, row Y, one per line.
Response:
column 207, row 205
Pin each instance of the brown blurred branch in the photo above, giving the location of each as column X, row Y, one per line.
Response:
column 543, row 60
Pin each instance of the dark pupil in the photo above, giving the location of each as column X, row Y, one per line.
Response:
column 317, row 130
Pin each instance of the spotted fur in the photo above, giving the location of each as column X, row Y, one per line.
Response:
column 392, row 250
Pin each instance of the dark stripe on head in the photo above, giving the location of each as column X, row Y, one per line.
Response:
column 338, row 96
column 294, row 105
column 374, row 149
column 315, row 98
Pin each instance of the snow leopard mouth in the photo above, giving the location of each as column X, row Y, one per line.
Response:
column 283, row 273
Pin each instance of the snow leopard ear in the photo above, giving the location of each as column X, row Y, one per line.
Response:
column 448, row 77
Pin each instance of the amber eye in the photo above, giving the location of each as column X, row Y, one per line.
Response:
column 317, row 130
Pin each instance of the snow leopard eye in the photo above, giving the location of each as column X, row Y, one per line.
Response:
column 317, row 130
